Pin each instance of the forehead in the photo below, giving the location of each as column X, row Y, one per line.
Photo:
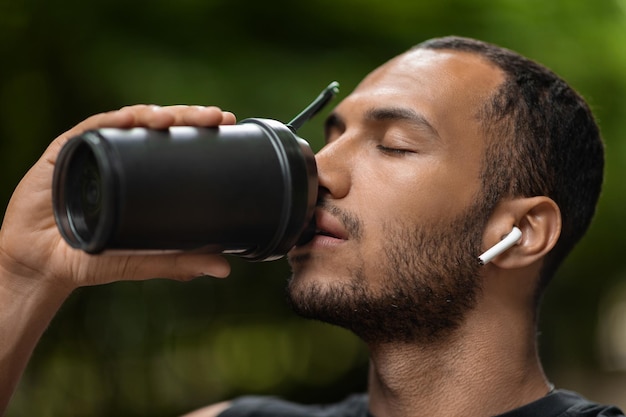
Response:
column 446, row 87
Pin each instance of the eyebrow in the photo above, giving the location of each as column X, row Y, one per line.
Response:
column 381, row 114
column 402, row 114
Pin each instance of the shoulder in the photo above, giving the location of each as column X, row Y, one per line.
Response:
column 562, row 403
column 258, row 406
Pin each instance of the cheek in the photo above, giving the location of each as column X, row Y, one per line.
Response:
column 418, row 191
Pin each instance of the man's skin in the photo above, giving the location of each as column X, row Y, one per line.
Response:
column 405, row 148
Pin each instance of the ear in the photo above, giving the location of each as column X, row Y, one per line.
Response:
column 539, row 219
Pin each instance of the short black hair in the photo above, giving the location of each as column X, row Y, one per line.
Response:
column 542, row 140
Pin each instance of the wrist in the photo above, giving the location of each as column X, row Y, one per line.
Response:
column 29, row 303
column 23, row 282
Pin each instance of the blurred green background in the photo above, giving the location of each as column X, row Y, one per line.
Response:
column 161, row 348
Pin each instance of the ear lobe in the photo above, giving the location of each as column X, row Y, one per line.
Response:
column 539, row 220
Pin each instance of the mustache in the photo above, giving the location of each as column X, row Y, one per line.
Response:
column 350, row 221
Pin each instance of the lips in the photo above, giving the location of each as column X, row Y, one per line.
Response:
column 325, row 231
column 329, row 226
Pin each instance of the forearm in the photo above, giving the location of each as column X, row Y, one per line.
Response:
column 26, row 309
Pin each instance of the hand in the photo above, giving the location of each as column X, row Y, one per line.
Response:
column 31, row 248
column 38, row 270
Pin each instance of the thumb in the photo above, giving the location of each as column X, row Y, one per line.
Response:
column 178, row 266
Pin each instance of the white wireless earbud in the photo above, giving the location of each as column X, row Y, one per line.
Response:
column 507, row 242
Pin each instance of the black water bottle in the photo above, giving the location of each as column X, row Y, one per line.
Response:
column 248, row 189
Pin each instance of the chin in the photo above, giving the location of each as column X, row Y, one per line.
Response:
column 308, row 269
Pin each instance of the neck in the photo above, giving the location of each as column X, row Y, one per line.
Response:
column 489, row 366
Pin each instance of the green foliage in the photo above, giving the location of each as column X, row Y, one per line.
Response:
column 160, row 348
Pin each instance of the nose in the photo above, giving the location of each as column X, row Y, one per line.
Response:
column 334, row 170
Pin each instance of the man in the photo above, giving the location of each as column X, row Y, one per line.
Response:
column 433, row 159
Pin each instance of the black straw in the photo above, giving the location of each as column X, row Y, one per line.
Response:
column 318, row 104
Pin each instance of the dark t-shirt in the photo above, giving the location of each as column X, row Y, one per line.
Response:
column 559, row 403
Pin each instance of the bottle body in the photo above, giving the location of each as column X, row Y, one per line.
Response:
column 248, row 189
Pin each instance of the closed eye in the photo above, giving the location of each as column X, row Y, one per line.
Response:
column 393, row 151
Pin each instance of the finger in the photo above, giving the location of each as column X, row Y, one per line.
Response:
column 180, row 266
column 149, row 116
column 183, row 266
column 228, row 118
column 197, row 115
column 111, row 119
column 157, row 117
column 186, row 266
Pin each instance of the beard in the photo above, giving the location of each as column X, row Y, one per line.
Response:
column 430, row 275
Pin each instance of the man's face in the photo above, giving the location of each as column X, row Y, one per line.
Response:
column 400, row 220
